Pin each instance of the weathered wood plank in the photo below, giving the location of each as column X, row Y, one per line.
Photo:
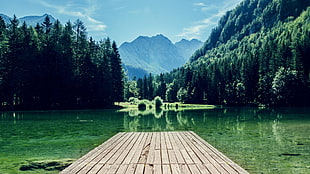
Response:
column 132, row 150
column 175, row 169
column 209, row 155
column 157, row 140
column 112, row 153
column 155, row 152
column 188, row 146
column 146, row 149
column 166, row 169
column 90, row 156
column 123, row 152
column 176, row 149
column 139, row 169
column 226, row 163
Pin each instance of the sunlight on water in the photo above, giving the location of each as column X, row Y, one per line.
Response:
column 260, row 140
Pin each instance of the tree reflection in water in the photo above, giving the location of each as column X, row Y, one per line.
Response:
column 157, row 120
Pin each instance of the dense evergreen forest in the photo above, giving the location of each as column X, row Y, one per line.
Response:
column 259, row 54
column 51, row 66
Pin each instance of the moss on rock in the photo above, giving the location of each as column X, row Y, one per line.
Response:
column 47, row 165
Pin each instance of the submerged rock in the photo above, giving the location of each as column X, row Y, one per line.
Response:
column 291, row 154
column 47, row 164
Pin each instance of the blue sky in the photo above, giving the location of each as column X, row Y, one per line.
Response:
column 124, row 20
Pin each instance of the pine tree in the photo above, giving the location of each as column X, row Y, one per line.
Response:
column 117, row 74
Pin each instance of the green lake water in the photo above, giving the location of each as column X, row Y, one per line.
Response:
column 261, row 140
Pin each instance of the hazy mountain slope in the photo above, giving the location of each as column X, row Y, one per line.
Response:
column 186, row 48
column 156, row 54
column 30, row 20
column 5, row 18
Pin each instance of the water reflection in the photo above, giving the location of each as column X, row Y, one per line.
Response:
column 263, row 140
column 266, row 140
column 157, row 120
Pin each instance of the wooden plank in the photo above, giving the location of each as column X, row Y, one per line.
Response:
column 202, row 158
column 164, row 151
column 206, row 152
column 139, row 149
column 175, row 169
column 155, row 152
column 184, row 169
column 139, row 169
column 122, row 169
column 162, row 141
column 166, row 169
column 92, row 155
column 183, row 150
column 193, row 168
column 172, row 157
column 157, row 158
column 151, row 157
column 220, row 158
column 149, row 168
column 104, row 158
column 131, row 169
column 157, row 140
column 113, row 169
column 105, row 169
column 158, row 169
column 167, row 140
column 203, row 169
column 176, row 150
column 98, row 167
column 135, row 149
column 188, row 146
column 122, row 153
column 164, row 157
column 146, row 149
column 151, row 154
column 211, row 169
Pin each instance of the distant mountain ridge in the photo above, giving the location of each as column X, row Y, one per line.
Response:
column 156, row 54
column 30, row 20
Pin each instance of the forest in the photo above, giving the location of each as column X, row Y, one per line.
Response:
column 55, row 66
column 258, row 55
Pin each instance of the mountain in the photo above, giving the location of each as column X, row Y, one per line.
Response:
column 6, row 18
column 156, row 54
column 186, row 48
column 257, row 55
column 251, row 16
column 30, row 20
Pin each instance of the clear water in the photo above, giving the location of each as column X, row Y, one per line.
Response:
column 260, row 140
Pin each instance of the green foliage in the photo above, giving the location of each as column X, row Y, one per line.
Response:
column 143, row 105
column 285, row 86
column 158, row 102
column 53, row 66
column 258, row 54
column 182, row 95
column 133, row 100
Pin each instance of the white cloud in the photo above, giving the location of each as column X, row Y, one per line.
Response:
column 203, row 6
column 200, row 4
column 199, row 28
column 192, row 32
column 82, row 11
column 99, row 27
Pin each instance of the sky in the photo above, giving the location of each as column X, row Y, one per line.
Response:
column 125, row 20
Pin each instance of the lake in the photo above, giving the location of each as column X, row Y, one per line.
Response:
column 261, row 140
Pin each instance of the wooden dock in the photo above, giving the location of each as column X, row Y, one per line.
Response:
column 154, row 152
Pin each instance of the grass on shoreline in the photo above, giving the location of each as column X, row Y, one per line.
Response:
column 127, row 106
